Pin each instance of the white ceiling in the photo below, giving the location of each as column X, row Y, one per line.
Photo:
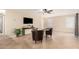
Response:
column 58, row 12
column 25, row 10
column 54, row 13
column 39, row 10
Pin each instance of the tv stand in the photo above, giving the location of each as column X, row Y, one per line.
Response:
column 26, row 31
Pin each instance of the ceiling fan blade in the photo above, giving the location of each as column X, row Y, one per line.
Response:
column 50, row 11
column 45, row 10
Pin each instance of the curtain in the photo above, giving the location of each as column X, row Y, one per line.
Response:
column 76, row 25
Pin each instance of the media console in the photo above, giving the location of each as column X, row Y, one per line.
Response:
column 26, row 31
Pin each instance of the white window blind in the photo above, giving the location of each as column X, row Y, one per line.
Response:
column 70, row 22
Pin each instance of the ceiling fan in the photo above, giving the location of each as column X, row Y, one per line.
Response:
column 47, row 11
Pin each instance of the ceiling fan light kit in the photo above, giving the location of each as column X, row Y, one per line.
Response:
column 47, row 11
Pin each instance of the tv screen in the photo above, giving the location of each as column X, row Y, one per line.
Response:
column 27, row 20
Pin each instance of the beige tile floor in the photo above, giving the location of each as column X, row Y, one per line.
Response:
column 58, row 41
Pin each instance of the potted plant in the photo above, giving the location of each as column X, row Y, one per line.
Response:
column 17, row 32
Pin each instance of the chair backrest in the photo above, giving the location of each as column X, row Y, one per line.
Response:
column 40, row 34
column 37, row 34
column 49, row 31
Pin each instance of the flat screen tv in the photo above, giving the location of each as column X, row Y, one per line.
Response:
column 27, row 20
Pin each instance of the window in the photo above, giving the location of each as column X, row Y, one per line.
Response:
column 1, row 23
column 49, row 22
column 2, row 13
column 70, row 22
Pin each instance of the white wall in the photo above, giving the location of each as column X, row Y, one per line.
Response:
column 14, row 20
column 58, row 17
column 59, row 23
column 37, row 19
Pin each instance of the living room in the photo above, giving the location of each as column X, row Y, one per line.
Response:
column 15, row 19
column 58, row 19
